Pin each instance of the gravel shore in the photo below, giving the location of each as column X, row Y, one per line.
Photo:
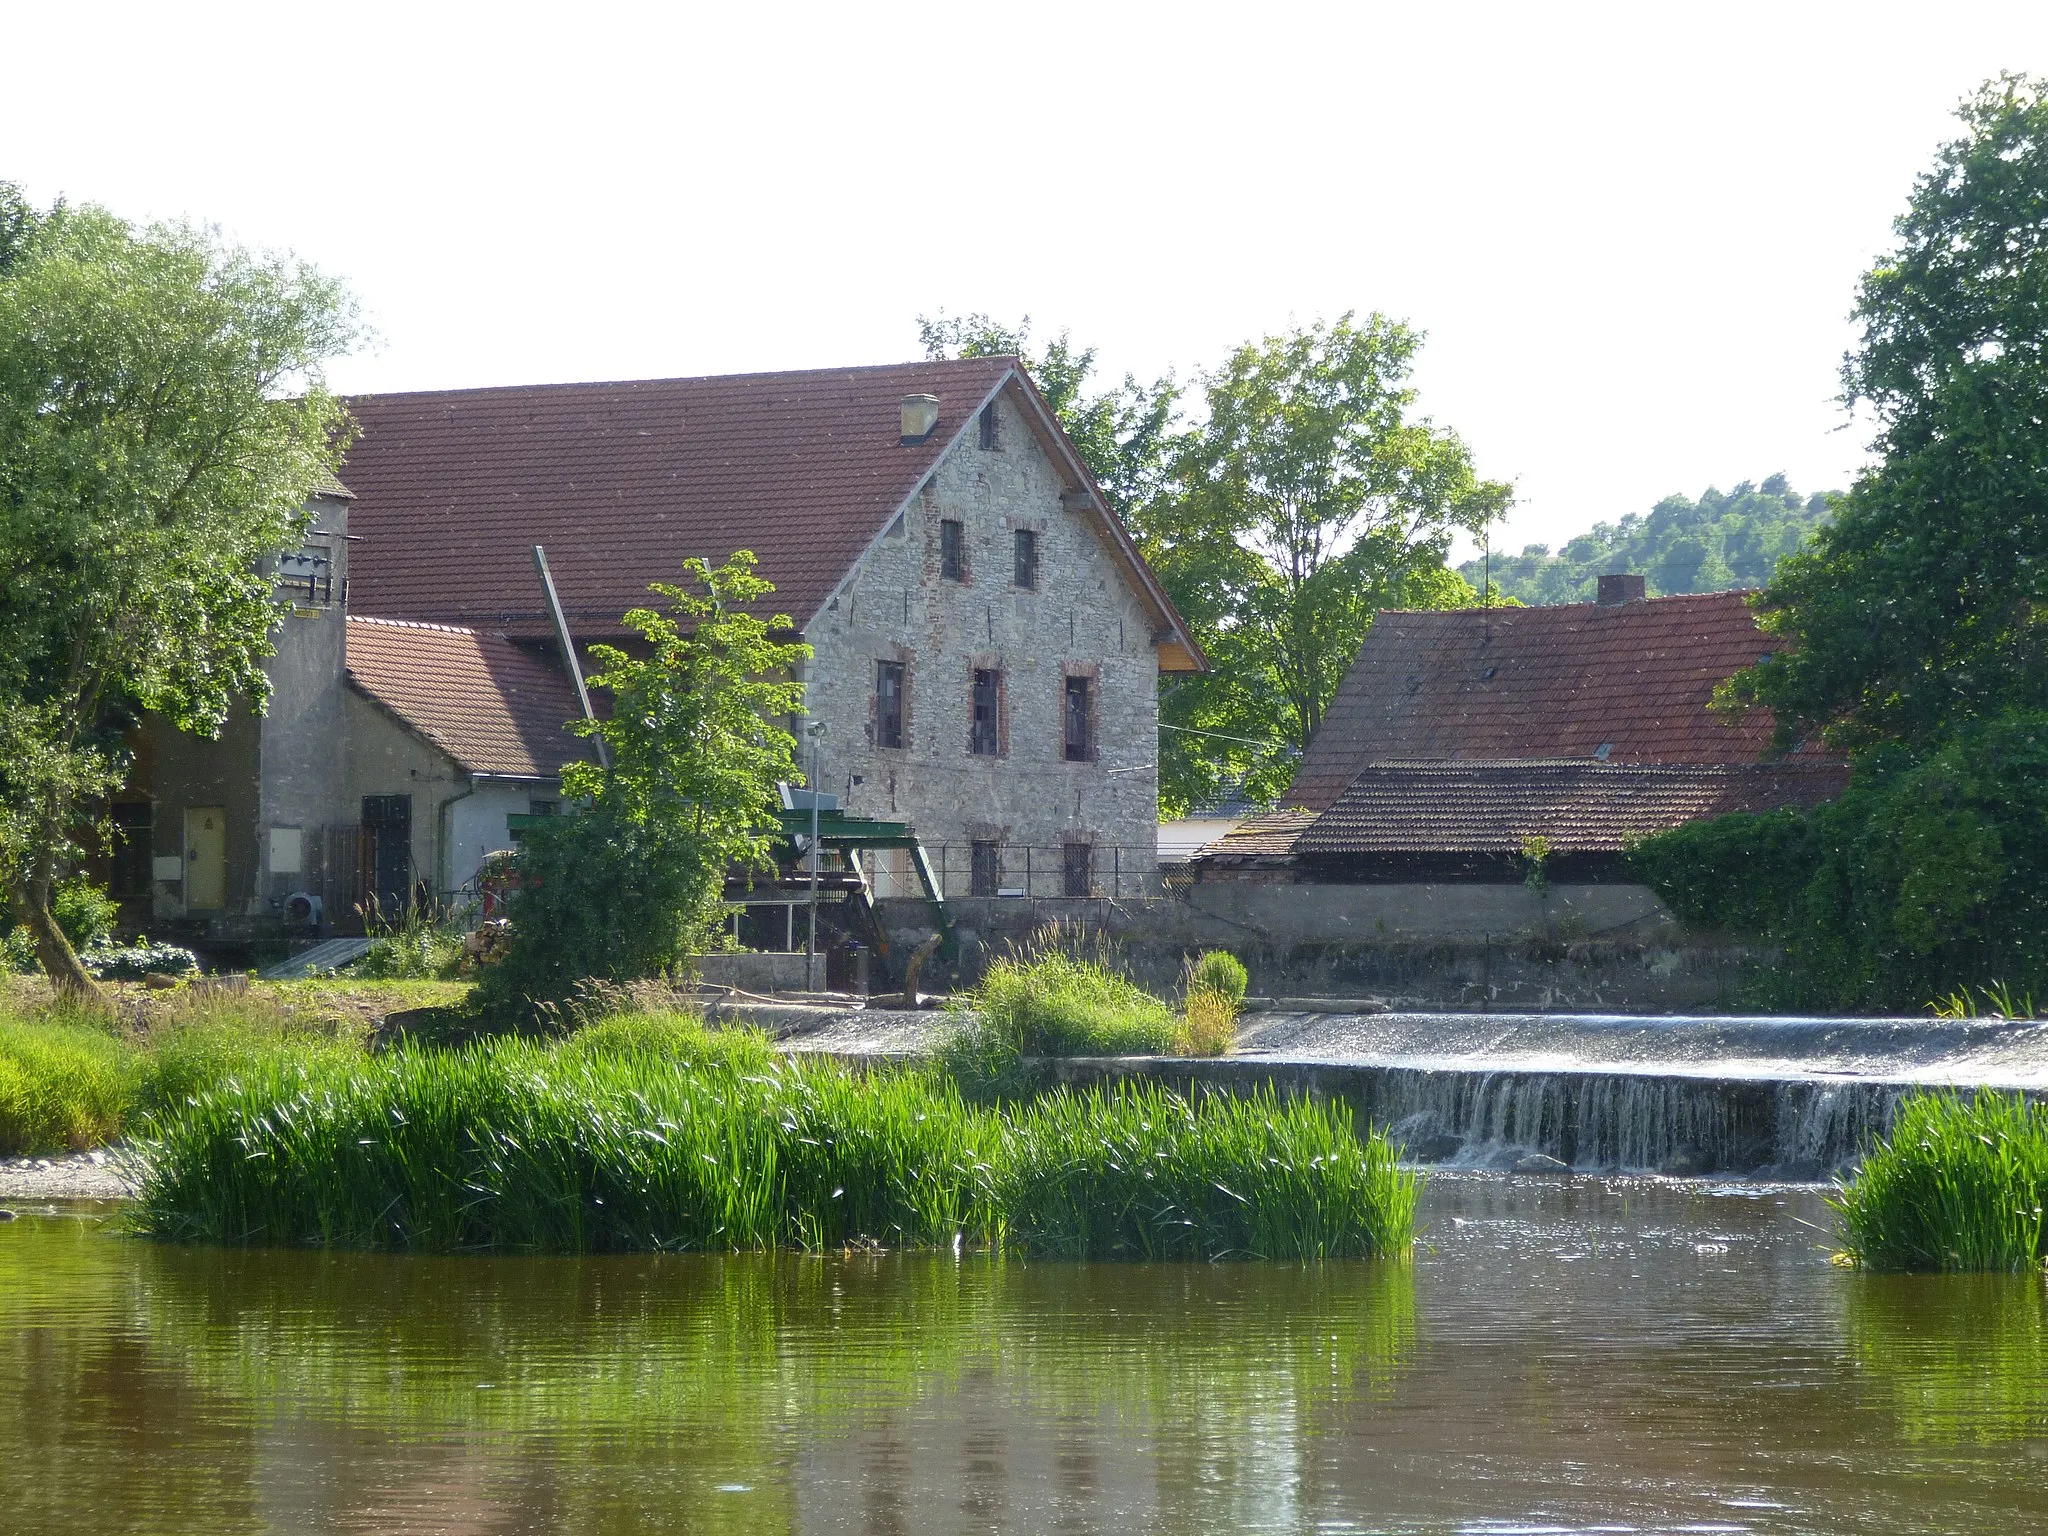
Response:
column 66, row 1176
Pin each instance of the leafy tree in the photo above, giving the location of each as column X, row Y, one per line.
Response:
column 1915, row 620
column 1309, row 499
column 1725, row 539
column 631, row 881
column 1124, row 435
column 1924, row 604
column 162, row 423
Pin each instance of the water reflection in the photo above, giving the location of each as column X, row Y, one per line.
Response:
column 1562, row 1355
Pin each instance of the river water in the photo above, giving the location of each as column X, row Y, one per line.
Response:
column 1562, row 1355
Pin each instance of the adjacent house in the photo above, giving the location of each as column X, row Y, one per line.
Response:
column 987, row 639
column 1474, row 746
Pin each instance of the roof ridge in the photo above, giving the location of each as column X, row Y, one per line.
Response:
column 1004, row 359
column 1496, row 609
column 446, row 629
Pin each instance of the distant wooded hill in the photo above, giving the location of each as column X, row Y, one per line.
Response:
column 1725, row 539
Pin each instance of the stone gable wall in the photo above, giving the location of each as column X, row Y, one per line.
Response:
column 1082, row 619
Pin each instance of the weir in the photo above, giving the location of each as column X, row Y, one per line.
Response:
column 1767, row 1098
column 1784, row 1098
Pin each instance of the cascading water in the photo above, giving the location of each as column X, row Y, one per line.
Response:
column 1793, row 1098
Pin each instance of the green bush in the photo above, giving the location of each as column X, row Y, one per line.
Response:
column 573, row 1147
column 1929, row 875
column 84, row 911
column 1959, row 1184
column 131, row 962
column 1049, row 1002
column 18, row 951
column 63, row 1085
column 416, row 948
column 1218, row 970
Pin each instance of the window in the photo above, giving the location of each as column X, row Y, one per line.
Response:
column 952, row 550
column 130, row 863
column 988, row 428
column 1077, row 869
column 888, row 703
column 986, row 872
column 1027, row 559
column 1080, row 720
column 985, row 737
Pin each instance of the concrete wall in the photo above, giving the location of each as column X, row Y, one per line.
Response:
column 1421, row 946
column 897, row 606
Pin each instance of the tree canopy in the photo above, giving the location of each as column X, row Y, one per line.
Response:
column 1917, row 636
column 1726, row 539
column 163, row 421
column 631, row 880
column 1920, row 607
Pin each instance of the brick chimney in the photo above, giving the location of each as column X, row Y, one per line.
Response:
column 1616, row 590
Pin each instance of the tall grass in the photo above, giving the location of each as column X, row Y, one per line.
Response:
column 577, row 1147
column 1958, row 1185
column 64, row 1085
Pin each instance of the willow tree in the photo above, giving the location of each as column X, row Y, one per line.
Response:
column 162, row 422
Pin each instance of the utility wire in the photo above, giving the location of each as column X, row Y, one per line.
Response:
column 1189, row 730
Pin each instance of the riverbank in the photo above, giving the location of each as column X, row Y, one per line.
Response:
column 100, row 1174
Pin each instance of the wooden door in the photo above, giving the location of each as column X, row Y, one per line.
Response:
column 206, row 858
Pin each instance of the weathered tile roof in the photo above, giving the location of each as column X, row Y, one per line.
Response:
column 1579, row 806
column 1268, row 836
column 492, row 707
column 1555, row 682
column 624, row 481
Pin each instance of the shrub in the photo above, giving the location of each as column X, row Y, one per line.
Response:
column 131, row 962
column 1057, row 1005
column 84, row 911
column 416, row 948
column 1218, row 970
column 18, row 951
column 1959, row 1184
column 1208, row 1024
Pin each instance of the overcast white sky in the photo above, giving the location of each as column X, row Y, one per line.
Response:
column 1631, row 232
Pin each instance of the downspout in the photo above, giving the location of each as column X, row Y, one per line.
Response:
column 444, row 854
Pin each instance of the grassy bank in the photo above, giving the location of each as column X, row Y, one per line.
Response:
column 1960, row 1184
column 71, row 1079
column 680, row 1140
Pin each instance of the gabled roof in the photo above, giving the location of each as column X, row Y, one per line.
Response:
column 1555, row 682
column 624, row 481
column 1577, row 806
column 492, row 707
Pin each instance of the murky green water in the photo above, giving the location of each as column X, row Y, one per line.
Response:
column 1563, row 1356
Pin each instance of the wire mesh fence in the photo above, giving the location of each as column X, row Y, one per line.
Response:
column 1070, row 871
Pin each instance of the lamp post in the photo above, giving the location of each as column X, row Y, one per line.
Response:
column 814, row 731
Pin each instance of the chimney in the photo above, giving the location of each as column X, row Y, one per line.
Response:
column 1614, row 590
column 920, row 416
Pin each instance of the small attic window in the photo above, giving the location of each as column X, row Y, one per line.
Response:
column 1486, row 674
column 1601, row 752
column 988, row 428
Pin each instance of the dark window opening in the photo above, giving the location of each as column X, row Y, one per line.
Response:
column 987, row 870
column 988, row 428
column 128, row 873
column 985, row 738
column 1077, row 869
column 384, row 863
column 1027, row 559
column 888, row 703
column 952, row 550
column 1080, row 720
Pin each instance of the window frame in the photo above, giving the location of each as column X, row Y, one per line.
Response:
column 891, row 726
column 984, row 866
column 952, row 549
column 1077, row 868
column 985, row 735
column 1078, row 685
column 989, row 434
column 1024, row 559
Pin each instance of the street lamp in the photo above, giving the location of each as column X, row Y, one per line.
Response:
column 813, row 732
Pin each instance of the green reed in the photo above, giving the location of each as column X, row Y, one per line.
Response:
column 63, row 1084
column 1958, row 1185
column 523, row 1146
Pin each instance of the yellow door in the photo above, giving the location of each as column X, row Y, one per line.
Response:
column 206, row 858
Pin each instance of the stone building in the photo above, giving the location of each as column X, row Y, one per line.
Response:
column 987, row 639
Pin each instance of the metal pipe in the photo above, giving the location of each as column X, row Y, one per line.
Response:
column 547, row 582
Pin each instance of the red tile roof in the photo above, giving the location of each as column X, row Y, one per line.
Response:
column 1268, row 836
column 1555, row 682
column 624, row 481
column 494, row 708
column 1580, row 806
